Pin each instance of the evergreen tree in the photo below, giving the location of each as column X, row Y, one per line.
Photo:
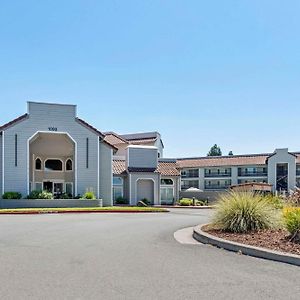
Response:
column 230, row 153
column 215, row 150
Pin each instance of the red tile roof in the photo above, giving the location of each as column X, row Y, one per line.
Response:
column 165, row 168
column 119, row 167
column 219, row 161
column 87, row 125
column 114, row 139
column 13, row 122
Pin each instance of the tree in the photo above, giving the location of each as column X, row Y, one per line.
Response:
column 215, row 150
column 230, row 153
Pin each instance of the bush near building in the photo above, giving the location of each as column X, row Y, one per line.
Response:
column 40, row 195
column 11, row 195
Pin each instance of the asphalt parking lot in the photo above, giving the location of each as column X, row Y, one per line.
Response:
column 129, row 256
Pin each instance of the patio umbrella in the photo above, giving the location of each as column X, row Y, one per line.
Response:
column 194, row 190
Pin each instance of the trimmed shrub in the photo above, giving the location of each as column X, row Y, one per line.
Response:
column 242, row 212
column 11, row 195
column 89, row 196
column 40, row 195
column 185, row 202
column 291, row 219
column 121, row 200
column 188, row 202
column 64, row 196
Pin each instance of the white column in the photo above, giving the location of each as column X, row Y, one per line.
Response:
column 201, row 179
column 234, row 175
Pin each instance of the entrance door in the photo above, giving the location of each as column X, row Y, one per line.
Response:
column 58, row 189
column 48, row 186
column 145, row 190
column 282, row 177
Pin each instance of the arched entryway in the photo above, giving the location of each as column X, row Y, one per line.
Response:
column 145, row 190
column 52, row 163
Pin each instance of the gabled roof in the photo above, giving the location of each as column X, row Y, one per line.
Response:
column 13, row 122
column 142, row 137
column 114, row 138
column 99, row 133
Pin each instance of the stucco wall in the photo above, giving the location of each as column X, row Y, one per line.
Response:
column 139, row 157
column 134, row 177
column 282, row 156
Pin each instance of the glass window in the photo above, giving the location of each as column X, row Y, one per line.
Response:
column 185, row 184
column 38, row 186
column 117, row 181
column 69, row 188
column 166, row 181
column 69, row 165
column 117, row 192
column 53, row 165
column 166, row 195
column 38, row 164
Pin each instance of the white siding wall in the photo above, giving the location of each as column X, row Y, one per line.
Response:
column 43, row 116
column 105, row 185
column 1, row 165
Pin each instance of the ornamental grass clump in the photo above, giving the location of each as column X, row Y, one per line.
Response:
column 291, row 219
column 241, row 212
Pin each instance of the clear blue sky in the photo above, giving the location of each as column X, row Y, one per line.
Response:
column 199, row 72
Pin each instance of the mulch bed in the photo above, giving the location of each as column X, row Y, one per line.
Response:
column 277, row 240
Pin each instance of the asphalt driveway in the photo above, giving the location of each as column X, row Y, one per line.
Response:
column 128, row 256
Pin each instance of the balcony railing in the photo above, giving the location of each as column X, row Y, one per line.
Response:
column 190, row 175
column 185, row 187
column 215, row 175
column 252, row 174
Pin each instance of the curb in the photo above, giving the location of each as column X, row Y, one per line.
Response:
column 188, row 207
column 79, row 211
column 206, row 238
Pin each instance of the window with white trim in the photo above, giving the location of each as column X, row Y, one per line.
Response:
column 166, row 181
column 69, row 165
column 69, row 188
column 38, row 164
column 117, row 187
column 38, row 186
column 53, row 165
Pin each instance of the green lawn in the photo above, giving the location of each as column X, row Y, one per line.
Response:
column 83, row 209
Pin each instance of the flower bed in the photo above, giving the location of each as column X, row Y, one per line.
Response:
column 273, row 239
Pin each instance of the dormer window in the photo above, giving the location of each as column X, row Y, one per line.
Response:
column 38, row 164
